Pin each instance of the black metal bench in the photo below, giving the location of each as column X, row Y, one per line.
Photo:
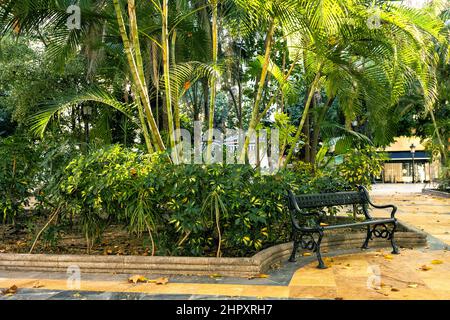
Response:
column 310, row 207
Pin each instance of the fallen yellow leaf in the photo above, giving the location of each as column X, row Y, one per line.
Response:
column 437, row 262
column 388, row 257
column 306, row 254
column 322, row 224
column 328, row 261
column 260, row 275
column 216, row 275
column 137, row 278
column 412, row 285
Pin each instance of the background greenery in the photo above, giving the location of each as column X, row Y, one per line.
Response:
column 88, row 116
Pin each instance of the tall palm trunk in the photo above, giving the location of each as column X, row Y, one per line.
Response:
column 212, row 102
column 314, row 87
column 176, row 107
column 134, row 69
column 166, row 76
column 140, row 66
column 154, row 62
column 316, row 129
column 262, row 81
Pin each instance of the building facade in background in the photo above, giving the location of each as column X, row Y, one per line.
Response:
column 409, row 162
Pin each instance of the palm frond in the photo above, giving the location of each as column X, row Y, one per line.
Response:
column 40, row 120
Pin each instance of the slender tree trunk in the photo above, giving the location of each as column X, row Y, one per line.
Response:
column 313, row 89
column 166, row 75
column 306, row 131
column 236, row 106
column 176, row 107
column 262, row 81
column 212, row 102
column 281, row 105
column 316, row 129
column 205, row 88
column 240, row 100
column 155, row 77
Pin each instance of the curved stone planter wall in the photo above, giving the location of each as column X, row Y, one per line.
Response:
column 241, row 267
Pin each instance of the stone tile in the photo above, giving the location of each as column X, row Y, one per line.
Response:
column 30, row 294
column 313, row 292
column 312, row 276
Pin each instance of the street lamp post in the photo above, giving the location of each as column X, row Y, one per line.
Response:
column 413, row 151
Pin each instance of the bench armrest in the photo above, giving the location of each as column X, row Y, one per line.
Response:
column 366, row 192
column 394, row 208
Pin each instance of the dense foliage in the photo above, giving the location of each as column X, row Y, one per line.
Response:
column 362, row 165
column 186, row 209
column 89, row 115
column 17, row 172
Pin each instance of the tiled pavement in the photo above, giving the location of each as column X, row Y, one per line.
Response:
column 427, row 213
column 356, row 275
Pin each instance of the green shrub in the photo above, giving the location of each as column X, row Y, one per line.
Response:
column 361, row 165
column 199, row 210
column 17, row 170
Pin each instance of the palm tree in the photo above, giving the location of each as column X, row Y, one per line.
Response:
column 388, row 57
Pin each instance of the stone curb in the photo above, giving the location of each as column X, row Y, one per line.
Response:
column 236, row 267
column 436, row 193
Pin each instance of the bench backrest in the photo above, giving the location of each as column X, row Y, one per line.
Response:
column 318, row 200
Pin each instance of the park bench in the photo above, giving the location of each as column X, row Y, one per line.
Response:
column 307, row 232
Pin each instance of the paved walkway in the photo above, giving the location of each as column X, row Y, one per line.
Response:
column 430, row 214
column 414, row 274
column 422, row 273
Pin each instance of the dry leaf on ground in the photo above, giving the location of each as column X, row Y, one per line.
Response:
column 216, row 275
column 437, row 262
column 388, row 257
column 306, row 254
column 425, row 268
column 137, row 278
column 11, row 290
column 413, row 285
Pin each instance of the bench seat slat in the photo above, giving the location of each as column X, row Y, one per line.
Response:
column 356, row 224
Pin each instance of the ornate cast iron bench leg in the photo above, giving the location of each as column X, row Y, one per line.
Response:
column 306, row 240
column 317, row 249
column 384, row 233
column 394, row 245
column 296, row 245
column 368, row 237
